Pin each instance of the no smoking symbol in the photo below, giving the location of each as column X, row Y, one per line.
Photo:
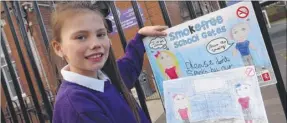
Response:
column 242, row 12
column 250, row 72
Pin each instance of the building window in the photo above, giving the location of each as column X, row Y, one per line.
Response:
column 9, row 81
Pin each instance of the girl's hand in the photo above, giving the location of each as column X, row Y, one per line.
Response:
column 153, row 31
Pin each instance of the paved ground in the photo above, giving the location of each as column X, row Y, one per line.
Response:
column 277, row 34
column 272, row 102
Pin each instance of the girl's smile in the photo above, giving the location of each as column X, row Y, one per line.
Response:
column 95, row 57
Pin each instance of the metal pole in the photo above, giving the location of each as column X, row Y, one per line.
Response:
column 29, row 81
column 124, row 44
column 12, row 73
column 137, row 14
column 280, row 85
column 32, row 62
column 164, row 13
column 190, row 8
column 8, row 98
column 199, row 6
column 118, row 24
column 137, row 84
column 44, row 32
column 2, row 116
column 24, row 66
column 222, row 4
column 41, row 24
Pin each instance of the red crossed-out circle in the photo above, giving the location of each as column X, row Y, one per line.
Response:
column 242, row 12
column 250, row 72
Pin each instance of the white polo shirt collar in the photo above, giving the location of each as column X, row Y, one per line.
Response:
column 89, row 82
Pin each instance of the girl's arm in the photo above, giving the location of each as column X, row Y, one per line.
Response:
column 130, row 65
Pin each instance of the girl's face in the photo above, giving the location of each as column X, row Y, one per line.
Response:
column 240, row 32
column 181, row 101
column 165, row 60
column 243, row 90
column 85, row 44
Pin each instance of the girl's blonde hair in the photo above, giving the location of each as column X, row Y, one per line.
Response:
column 174, row 61
column 63, row 11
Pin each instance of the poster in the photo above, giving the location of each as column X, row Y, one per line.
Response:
column 127, row 18
column 231, row 96
column 231, row 2
column 224, row 39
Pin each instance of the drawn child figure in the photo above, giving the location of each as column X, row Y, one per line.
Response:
column 168, row 64
column 239, row 32
column 245, row 100
column 181, row 108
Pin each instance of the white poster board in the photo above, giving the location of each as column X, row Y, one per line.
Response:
column 231, row 96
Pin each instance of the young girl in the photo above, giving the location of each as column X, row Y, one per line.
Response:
column 95, row 88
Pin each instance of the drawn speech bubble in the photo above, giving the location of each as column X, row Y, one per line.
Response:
column 218, row 45
column 157, row 43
